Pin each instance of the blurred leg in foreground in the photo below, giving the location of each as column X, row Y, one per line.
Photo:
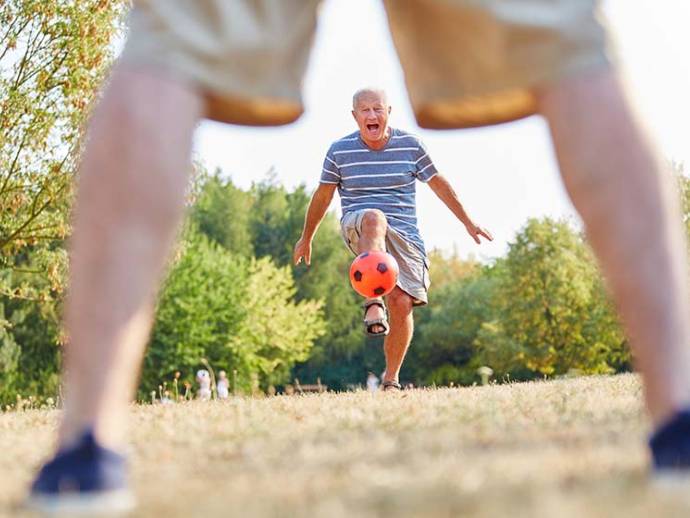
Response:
column 630, row 208
column 131, row 192
column 245, row 60
column 561, row 63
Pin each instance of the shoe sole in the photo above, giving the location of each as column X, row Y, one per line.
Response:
column 671, row 481
column 106, row 503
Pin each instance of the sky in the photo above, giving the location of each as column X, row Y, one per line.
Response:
column 503, row 174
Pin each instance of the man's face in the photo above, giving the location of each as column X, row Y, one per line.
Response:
column 371, row 113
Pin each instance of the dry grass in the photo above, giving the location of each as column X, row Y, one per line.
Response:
column 568, row 448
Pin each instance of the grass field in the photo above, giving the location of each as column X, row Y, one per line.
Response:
column 559, row 449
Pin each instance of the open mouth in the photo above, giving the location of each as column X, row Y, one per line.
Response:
column 372, row 128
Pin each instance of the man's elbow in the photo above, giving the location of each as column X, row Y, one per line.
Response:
column 437, row 183
column 325, row 191
column 328, row 188
column 437, row 180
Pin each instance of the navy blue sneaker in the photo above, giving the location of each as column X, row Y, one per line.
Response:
column 670, row 446
column 83, row 479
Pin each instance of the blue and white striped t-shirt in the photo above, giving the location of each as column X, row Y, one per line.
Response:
column 383, row 179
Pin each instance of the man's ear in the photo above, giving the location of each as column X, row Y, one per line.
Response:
column 353, row 114
column 389, row 110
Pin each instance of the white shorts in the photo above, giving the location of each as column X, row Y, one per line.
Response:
column 413, row 278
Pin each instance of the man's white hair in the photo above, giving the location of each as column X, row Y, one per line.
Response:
column 362, row 92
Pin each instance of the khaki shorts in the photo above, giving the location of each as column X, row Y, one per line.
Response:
column 466, row 62
column 413, row 278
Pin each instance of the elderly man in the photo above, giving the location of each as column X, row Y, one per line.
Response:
column 375, row 170
column 467, row 63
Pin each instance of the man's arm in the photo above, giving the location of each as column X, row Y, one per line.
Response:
column 315, row 212
column 445, row 192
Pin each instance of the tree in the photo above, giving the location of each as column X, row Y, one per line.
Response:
column 341, row 356
column 447, row 268
column 268, row 222
column 29, row 349
column 271, row 218
column 52, row 58
column 276, row 332
column 442, row 348
column 552, row 312
column 196, row 314
column 221, row 211
column 236, row 313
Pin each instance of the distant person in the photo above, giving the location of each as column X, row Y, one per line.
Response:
column 222, row 385
column 467, row 63
column 375, row 170
column 372, row 382
column 203, row 378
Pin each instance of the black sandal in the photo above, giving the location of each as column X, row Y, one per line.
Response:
column 382, row 322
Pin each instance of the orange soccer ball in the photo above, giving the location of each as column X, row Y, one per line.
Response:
column 374, row 274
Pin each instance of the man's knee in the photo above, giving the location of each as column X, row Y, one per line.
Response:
column 140, row 103
column 595, row 134
column 138, row 149
column 374, row 221
column 399, row 302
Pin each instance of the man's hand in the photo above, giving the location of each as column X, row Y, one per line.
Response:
column 475, row 231
column 302, row 251
column 315, row 212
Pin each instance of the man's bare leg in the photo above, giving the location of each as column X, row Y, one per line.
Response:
column 131, row 192
column 373, row 238
column 400, row 306
column 399, row 303
column 626, row 199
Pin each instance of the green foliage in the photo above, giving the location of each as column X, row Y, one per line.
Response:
column 236, row 313
column 29, row 344
column 9, row 359
column 551, row 314
column 52, row 59
column 221, row 211
column 273, row 219
column 339, row 357
column 276, row 218
column 443, row 347
column 276, row 331
column 197, row 313
column 450, row 268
